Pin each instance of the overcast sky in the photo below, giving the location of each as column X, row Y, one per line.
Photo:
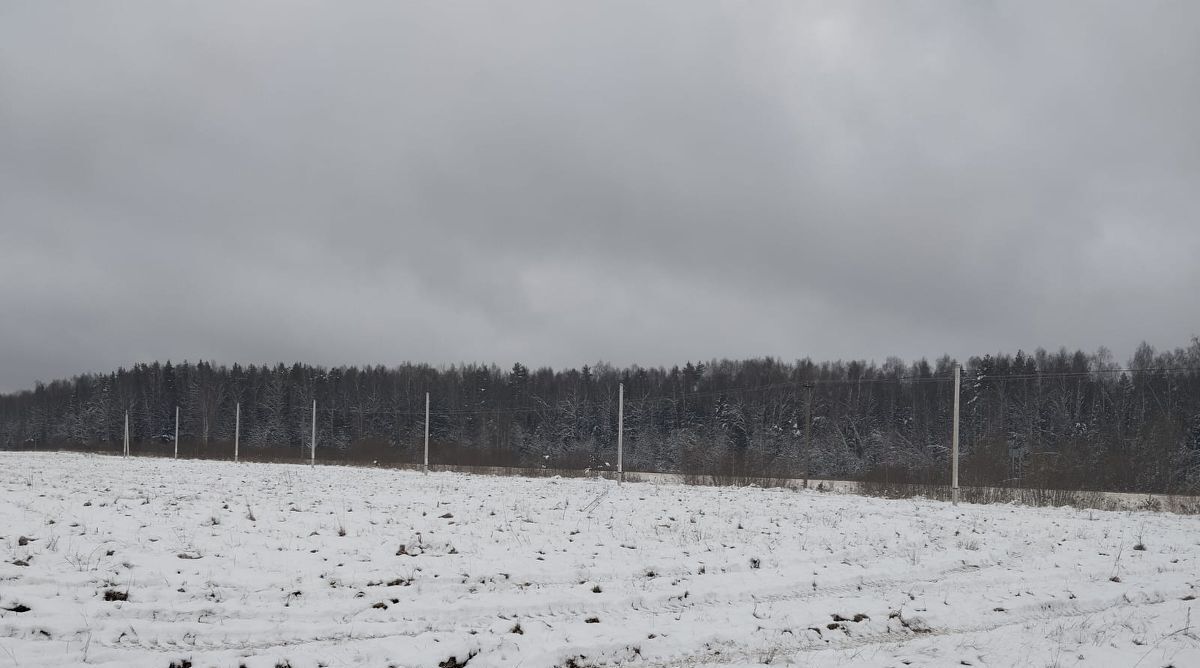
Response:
column 557, row 183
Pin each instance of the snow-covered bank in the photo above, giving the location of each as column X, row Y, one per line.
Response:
column 261, row 565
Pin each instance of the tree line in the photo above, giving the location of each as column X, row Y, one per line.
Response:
column 1069, row 420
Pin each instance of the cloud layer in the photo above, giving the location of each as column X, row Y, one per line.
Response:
column 557, row 183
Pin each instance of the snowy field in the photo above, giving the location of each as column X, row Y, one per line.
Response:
column 165, row 563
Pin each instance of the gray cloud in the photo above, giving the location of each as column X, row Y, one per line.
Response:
column 557, row 183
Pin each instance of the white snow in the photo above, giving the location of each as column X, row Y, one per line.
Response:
column 673, row 575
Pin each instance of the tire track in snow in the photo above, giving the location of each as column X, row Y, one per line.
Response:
column 731, row 652
column 670, row 605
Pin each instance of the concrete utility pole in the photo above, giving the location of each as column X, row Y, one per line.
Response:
column 125, row 446
column 808, row 434
column 620, row 433
column 425, row 468
column 237, row 430
column 954, row 440
column 312, row 461
column 177, row 432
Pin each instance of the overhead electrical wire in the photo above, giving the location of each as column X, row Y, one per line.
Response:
column 793, row 385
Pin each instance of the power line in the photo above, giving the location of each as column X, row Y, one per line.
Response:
column 684, row 397
column 569, row 404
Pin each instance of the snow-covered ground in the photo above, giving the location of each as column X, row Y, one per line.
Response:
column 263, row 565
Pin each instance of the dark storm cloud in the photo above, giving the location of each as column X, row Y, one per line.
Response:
column 558, row 183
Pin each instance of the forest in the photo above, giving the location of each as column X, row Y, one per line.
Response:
column 1062, row 420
